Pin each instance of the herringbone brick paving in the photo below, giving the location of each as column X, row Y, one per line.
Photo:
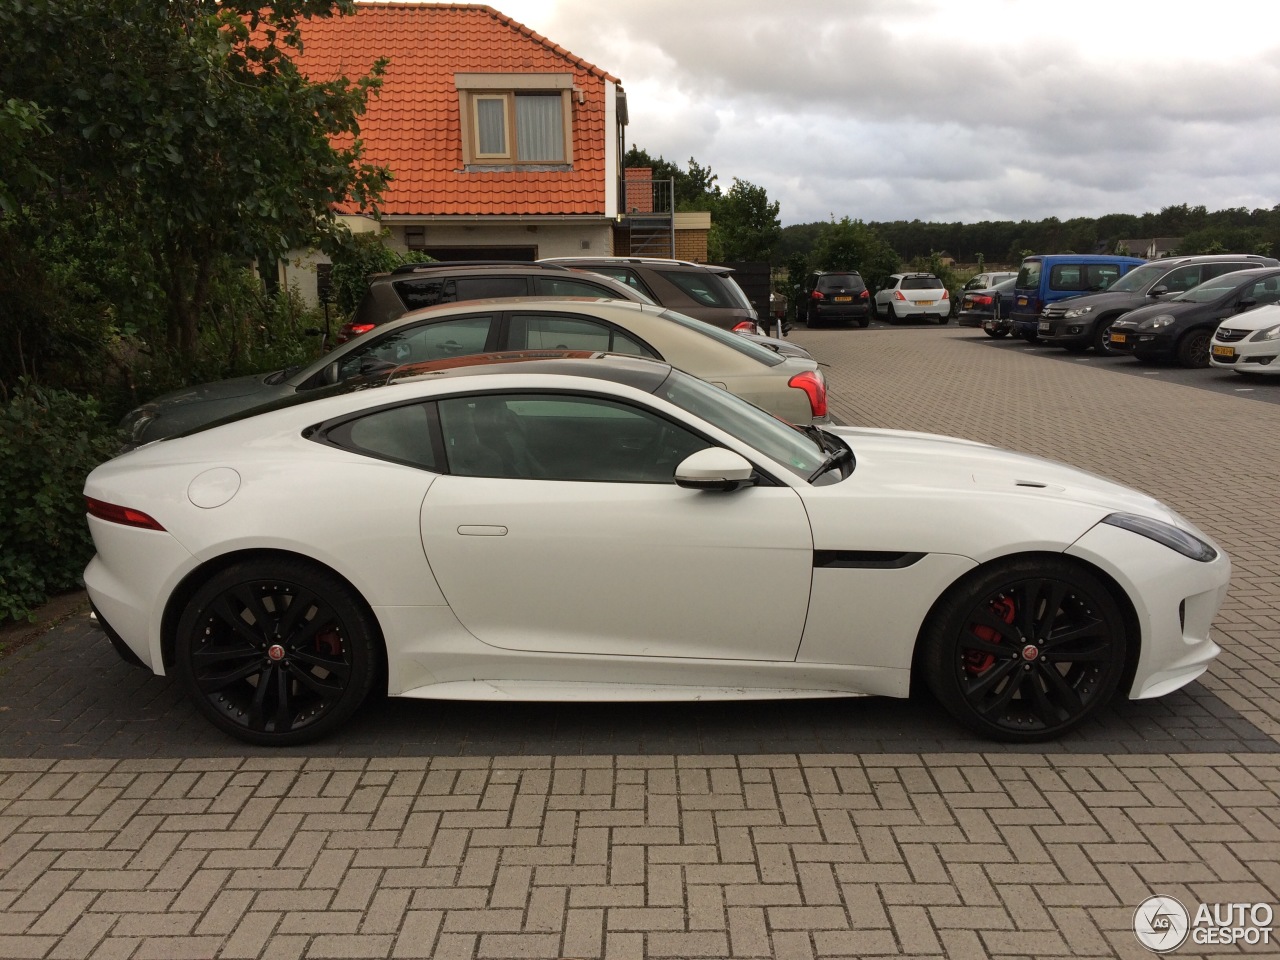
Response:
column 128, row 830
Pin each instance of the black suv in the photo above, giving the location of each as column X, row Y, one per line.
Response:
column 1083, row 322
column 415, row 285
column 834, row 295
column 708, row 293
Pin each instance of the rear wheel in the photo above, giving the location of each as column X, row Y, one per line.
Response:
column 1025, row 649
column 999, row 334
column 1193, row 348
column 890, row 314
column 864, row 322
column 276, row 652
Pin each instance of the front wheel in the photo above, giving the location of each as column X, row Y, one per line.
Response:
column 1102, row 338
column 1026, row 649
column 276, row 652
column 1193, row 349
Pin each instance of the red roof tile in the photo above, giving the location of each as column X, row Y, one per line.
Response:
column 412, row 125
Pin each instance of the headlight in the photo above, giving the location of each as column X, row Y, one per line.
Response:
column 1156, row 323
column 1270, row 333
column 1077, row 312
column 1175, row 538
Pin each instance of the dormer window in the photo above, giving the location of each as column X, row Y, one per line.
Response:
column 516, row 120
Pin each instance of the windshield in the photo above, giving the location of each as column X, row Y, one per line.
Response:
column 774, row 438
column 1029, row 275
column 1210, row 290
column 739, row 343
column 1139, row 278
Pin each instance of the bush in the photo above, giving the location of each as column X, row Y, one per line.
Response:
column 49, row 441
column 362, row 256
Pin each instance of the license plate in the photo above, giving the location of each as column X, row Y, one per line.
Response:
column 1223, row 351
column 1022, row 301
column 925, row 303
column 842, row 299
column 1044, row 327
column 1119, row 337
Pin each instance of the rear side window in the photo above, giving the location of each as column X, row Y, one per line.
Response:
column 625, row 275
column 425, row 293
column 1212, row 270
column 705, row 288
column 480, row 288
column 1029, row 275
column 1100, row 276
column 402, row 434
column 921, row 283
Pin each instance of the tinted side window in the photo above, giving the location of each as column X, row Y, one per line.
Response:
column 1212, row 270
column 1099, row 276
column 1263, row 291
column 1183, row 278
column 704, row 288
column 458, row 337
column 550, row 331
column 624, row 274
column 479, row 288
column 561, row 437
column 425, row 293
column 1066, row 276
column 564, row 287
column 399, row 433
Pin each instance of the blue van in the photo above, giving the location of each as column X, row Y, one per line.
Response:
column 1046, row 278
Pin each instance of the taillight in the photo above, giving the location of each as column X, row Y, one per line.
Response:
column 981, row 301
column 746, row 326
column 864, row 295
column 115, row 513
column 349, row 331
column 897, row 295
column 945, row 294
column 817, row 295
column 814, row 386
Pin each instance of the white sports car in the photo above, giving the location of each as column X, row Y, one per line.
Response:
column 594, row 529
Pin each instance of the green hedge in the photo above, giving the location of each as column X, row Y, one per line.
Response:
column 49, row 441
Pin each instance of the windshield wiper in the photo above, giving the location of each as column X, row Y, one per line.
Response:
column 838, row 456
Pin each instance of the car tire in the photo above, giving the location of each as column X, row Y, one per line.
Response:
column 890, row 314
column 864, row 322
column 1193, row 349
column 1025, row 649
column 1102, row 337
column 942, row 321
column 995, row 334
column 277, row 652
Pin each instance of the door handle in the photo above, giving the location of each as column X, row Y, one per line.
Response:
column 482, row 530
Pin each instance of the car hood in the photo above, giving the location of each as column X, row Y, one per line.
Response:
column 1256, row 319
column 948, row 467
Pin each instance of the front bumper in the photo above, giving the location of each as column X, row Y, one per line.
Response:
column 1062, row 332
column 1175, row 600
column 1262, row 357
column 1146, row 344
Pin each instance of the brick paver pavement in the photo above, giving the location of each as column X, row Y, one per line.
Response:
column 130, row 829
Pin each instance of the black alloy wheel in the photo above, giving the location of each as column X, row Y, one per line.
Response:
column 890, row 314
column 1026, row 649
column 276, row 652
column 1193, row 349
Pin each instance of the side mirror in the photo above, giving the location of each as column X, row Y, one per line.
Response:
column 714, row 468
column 1159, row 290
column 1247, row 303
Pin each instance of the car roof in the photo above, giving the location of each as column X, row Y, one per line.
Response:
column 639, row 372
column 643, row 261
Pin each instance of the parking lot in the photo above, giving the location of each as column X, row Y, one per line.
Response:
column 130, row 828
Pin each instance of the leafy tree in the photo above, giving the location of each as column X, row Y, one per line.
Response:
column 189, row 121
column 744, row 225
column 694, row 189
column 852, row 245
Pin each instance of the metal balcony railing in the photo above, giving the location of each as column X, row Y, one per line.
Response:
column 648, row 218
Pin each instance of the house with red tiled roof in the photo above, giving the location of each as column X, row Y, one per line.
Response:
column 502, row 144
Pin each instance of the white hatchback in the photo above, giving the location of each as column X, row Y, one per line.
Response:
column 907, row 296
column 1249, row 342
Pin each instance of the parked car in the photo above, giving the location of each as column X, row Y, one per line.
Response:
column 910, row 296
column 834, row 296
column 1085, row 321
column 1048, row 278
column 593, row 529
column 1248, row 343
column 695, row 289
column 1181, row 328
column 790, row 387
column 988, row 308
column 414, row 285
column 986, row 281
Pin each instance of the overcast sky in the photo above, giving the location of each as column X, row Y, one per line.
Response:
column 947, row 110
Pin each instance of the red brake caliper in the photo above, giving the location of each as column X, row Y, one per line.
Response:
column 978, row 661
